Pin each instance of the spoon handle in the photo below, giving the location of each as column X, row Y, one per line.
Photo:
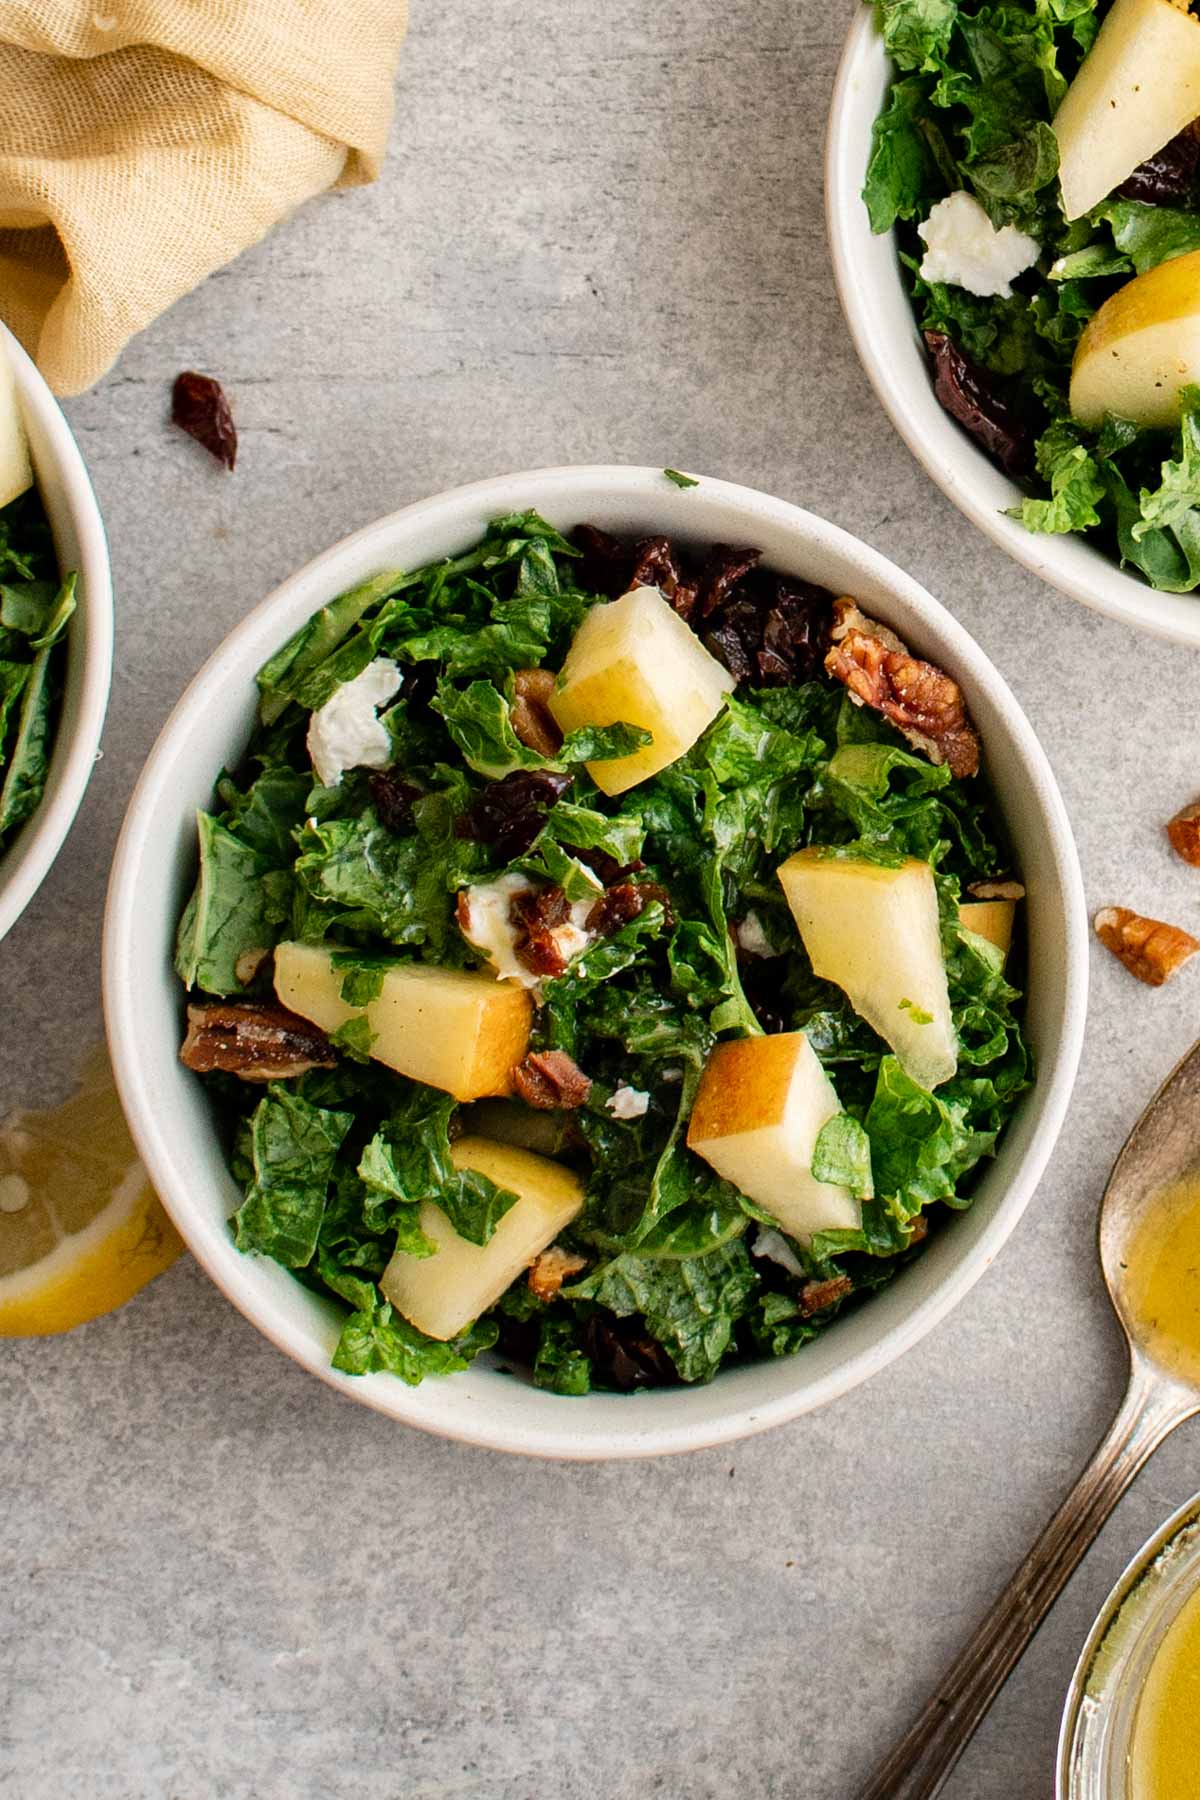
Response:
column 921, row 1762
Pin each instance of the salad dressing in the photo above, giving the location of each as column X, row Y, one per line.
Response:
column 1164, row 1760
column 1162, row 1280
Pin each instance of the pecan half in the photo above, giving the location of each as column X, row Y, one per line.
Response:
column 530, row 713
column 1184, row 833
column 258, row 1041
column 816, row 1296
column 548, row 1271
column 922, row 702
column 996, row 890
column 1149, row 949
column 551, row 1081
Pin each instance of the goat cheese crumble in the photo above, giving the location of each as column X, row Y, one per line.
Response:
column 964, row 248
column 751, row 938
column 775, row 1247
column 627, row 1103
column 345, row 733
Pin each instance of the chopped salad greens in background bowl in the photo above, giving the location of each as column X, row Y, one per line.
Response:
column 952, row 116
column 378, row 878
column 56, row 630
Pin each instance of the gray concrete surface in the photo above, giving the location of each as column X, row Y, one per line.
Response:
column 598, row 236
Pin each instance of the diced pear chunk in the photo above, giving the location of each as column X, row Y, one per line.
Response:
column 875, row 932
column 1138, row 86
column 990, row 919
column 455, row 1029
column 442, row 1294
column 633, row 660
column 759, row 1110
column 16, row 470
column 1142, row 347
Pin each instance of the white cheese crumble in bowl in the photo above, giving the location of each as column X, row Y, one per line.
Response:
column 964, row 247
column 169, row 1110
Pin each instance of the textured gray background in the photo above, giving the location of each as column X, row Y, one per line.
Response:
column 598, row 237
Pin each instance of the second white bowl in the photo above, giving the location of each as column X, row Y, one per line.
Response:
column 169, row 1111
column 881, row 321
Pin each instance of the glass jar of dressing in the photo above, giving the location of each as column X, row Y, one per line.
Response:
column 1131, row 1729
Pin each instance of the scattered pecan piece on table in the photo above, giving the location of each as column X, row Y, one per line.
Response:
column 259, row 1041
column 1149, row 949
column 551, row 1081
column 199, row 407
column 1184, row 833
column 921, row 701
column 548, row 1271
column 530, row 713
column 815, row 1296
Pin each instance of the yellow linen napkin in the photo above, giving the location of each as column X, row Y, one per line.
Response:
column 143, row 143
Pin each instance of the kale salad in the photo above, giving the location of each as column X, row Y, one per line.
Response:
column 35, row 609
column 502, row 960
column 1040, row 165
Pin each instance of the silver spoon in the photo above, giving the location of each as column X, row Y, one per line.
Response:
column 1163, row 1145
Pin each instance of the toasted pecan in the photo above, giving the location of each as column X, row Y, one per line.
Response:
column 548, row 1271
column 1149, row 948
column 1184, row 832
column 920, row 700
column 530, row 713
column 817, row 1296
column 258, row 1041
column 551, row 1081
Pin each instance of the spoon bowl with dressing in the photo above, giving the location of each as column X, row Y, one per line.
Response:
column 1149, row 1240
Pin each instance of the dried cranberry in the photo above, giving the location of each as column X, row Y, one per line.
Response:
column 535, row 915
column 729, row 647
column 726, row 566
column 981, row 406
column 624, row 902
column 657, row 565
column 199, row 407
column 625, row 1356
column 1168, row 178
column 393, row 800
column 602, row 864
column 508, row 814
column 606, row 563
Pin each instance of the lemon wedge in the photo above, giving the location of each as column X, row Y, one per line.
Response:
column 81, row 1229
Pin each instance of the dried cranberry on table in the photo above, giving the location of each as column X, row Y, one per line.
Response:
column 199, row 407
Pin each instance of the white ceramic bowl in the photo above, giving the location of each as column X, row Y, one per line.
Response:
column 169, row 1112
column 80, row 542
column 884, row 330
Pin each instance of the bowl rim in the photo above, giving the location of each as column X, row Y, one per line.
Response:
column 866, row 269
column 28, row 860
column 235, row 659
